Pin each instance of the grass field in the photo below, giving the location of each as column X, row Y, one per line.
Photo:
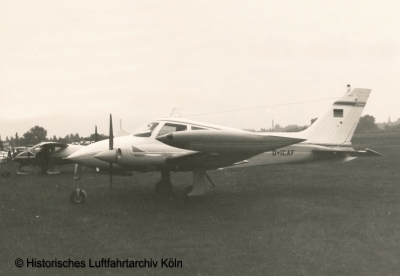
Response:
column 319, row 219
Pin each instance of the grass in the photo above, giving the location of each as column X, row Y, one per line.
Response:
column 315, row 219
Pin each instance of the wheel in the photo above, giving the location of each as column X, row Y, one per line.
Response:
column 187, row 190
column 78, row 197
column 44, row 168
column 164, row 187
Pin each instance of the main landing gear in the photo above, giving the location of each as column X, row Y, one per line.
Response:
column 164, row 185
column 199, row 184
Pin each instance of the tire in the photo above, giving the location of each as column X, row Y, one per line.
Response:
column 164, row 188
column 76, row 198
column 187, row 190
column 44, row 168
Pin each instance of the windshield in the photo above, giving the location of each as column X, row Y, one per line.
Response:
column 145, row 131
column 35, row 149
column 168, row 128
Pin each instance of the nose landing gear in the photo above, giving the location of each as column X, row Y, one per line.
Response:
column 78, row 196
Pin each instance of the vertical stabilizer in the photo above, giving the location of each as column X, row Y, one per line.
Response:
column 337, row 125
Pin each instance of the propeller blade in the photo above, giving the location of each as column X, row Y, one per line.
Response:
column 111, row 139
column 111, row 147
column 111, row 174
column 95, row 134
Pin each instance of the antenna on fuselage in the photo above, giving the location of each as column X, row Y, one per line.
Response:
column 174, row 111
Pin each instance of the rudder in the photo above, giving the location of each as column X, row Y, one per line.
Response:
column 337, row 125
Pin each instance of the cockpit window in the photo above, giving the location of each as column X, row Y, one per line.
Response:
column 168, row 128
column 145, row 131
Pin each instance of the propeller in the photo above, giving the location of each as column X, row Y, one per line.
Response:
column 111, row 147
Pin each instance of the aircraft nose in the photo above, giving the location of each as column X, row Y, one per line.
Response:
column 76, row 156
column 85, row 155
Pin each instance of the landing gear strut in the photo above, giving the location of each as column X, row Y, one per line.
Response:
column 199, row 184
column 164, row 185
column 79, row 195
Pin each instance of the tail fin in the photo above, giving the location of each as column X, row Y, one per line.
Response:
column 337, row 125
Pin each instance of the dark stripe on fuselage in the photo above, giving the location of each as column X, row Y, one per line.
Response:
column 360, row 104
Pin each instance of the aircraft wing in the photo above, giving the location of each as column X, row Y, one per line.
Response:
column 43, row 150
column 216, row 148
column 47, row 145
column 186, row 160
column 350, row 153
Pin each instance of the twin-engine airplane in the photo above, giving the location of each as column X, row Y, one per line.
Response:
column 176, row 145
column 173, row 144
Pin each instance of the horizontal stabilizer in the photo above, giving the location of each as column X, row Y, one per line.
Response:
column 352, row 153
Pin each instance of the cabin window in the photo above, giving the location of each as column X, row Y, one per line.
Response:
column 338, row 113
column 198, row 128
column 168, row 128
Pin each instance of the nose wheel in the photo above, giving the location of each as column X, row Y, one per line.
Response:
column 78, row 196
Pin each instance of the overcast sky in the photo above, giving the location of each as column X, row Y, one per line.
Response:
column 65, row 65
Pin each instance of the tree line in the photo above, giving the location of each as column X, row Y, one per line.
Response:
column 38, row 134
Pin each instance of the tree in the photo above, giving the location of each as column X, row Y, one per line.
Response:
column 1, row 144
column 16, row 139
column 100, row 137
column 367, row 125
column 12, row 142
column 35, row 135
